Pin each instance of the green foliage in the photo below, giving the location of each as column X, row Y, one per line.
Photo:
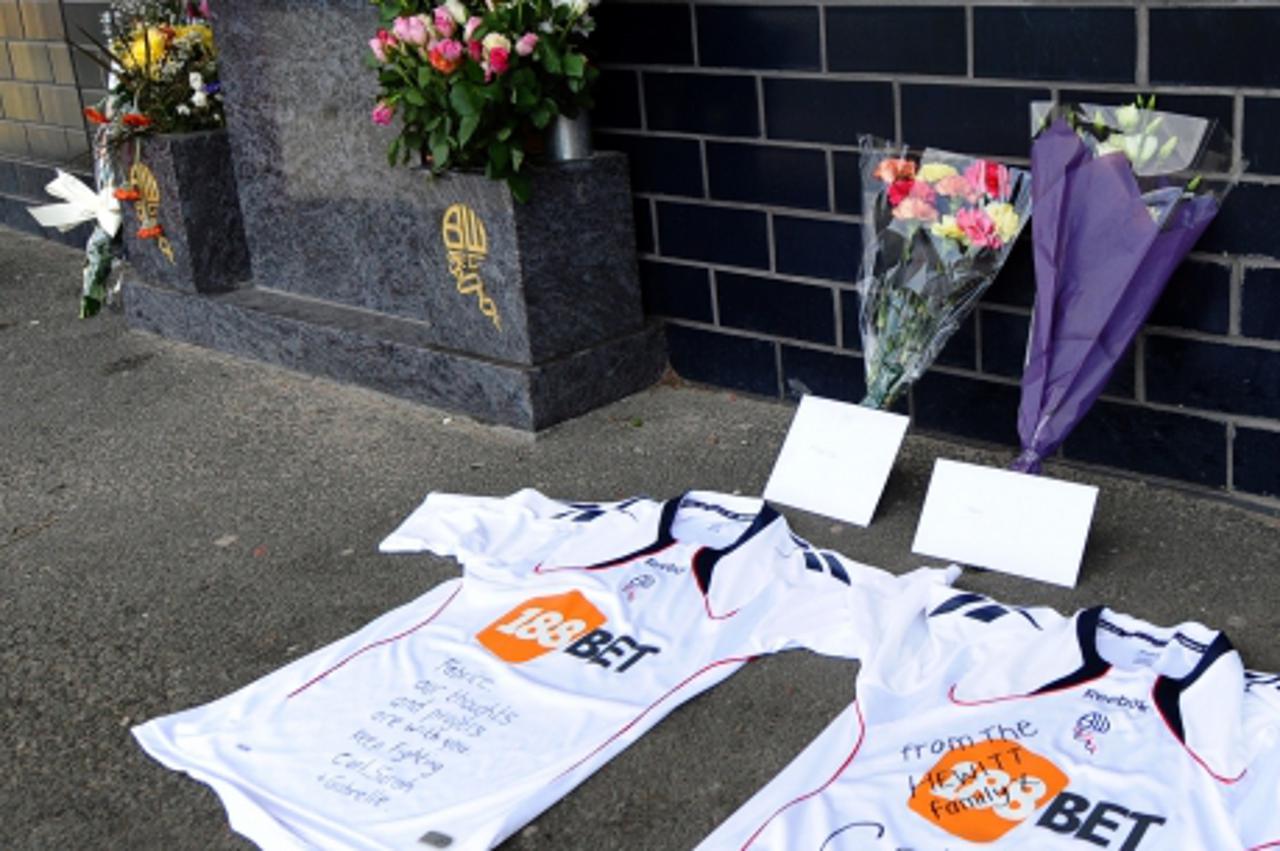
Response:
column 473, row 96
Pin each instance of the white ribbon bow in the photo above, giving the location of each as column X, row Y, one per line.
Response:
column 82, row 205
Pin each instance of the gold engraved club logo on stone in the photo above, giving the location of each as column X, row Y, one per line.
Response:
column 148, row 207
column 467, row 247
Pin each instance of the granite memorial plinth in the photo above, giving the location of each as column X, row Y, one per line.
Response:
column 197, row 209
column 441, row 290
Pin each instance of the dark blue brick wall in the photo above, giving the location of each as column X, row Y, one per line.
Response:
column 986, row 119
column 697, row 103
column 660, row 34
column 778, row 37
column 818, row 248
column 871, row 38
column 1215, row 46
column 1157, row 443
column 659, row 164
column 678, row 292
column 764, row 174
column 847, row 110
column 835, row 376
column 777, row 308
column 714, row 234
column 1260, row 304
column 1066, row 43
column 1256, row 461
column 740, row 363
column 742, row 122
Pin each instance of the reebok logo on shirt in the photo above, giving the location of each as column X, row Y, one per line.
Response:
column 567, row 622
column 1136, row 704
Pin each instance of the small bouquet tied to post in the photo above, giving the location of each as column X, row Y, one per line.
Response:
column 1119, row 196
column 162, row 77
column 937, row 227
column 473, row 85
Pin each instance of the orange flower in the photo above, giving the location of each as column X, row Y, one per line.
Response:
column 94, row 115
column 135, row 119
column 150, row 233
column 126, row 194
column 444, row 66
column 890, row 170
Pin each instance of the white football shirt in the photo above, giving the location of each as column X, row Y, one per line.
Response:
column 984, row 725
column 454, row 720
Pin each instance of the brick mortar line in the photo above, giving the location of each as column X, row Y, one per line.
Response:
column 1246, row 178
column 832, row 203
column 1237, row 132
column 749, row 271
column 1235, row 300
column 969, row 47
column 1231, row 456
column 644, row 112
column 653, row 223
column 822, row 38
column 1249, row 421
column 713, row 278
column 837, row 317
column 778, row 371
column 798, row 212
column 762, row 337
column 1221, row 417
column 693, row 30
column 771, row 243
column 958, row 80
column 1139, row 373
column 1231, row 337
column 1142, row 47
column 762, row 119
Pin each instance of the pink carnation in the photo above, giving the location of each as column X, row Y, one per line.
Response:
column 978, row 228
column 383, row 113
column 526, row 44
column 904, row 188
column 412, row 30
column 473, row 24
column 475, row 50
column 989, row 178
column 956, row 186
column 443, row 21
column 915, row 208
column 499, row 60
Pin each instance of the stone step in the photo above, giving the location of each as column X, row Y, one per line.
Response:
column 395, row 356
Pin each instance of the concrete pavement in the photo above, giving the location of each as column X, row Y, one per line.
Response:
column 175, row 523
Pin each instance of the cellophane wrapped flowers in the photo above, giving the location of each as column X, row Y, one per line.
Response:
column 162, row 76
column 162, row 68
column 937, row 228
column 1120, row 195
column 474, row 83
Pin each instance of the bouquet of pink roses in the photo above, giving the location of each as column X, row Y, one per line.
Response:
column 938, row 227
column 473, row 84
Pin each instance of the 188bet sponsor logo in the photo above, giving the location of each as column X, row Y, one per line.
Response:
column 982, row 791
column 566, row 623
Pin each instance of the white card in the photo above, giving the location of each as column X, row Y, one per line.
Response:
column 836, row 459
column 1015, row 523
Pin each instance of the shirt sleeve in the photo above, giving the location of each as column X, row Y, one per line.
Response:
column 1255, row 800
column 835, row 606
column 512, row 533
